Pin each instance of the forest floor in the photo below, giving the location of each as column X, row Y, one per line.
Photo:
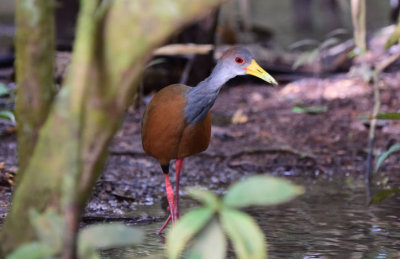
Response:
column 256, row 130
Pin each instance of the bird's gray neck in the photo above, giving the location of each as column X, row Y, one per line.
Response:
column 201, row 98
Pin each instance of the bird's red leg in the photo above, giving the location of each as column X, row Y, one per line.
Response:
column 178, row 167
column 164, row 225
column 170, row 197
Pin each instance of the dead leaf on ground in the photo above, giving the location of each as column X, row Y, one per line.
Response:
column 239, row 117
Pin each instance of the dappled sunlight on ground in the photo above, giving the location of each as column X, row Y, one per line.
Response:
column 329, row 89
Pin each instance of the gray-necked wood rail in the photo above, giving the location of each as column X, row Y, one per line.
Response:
column 177, row 121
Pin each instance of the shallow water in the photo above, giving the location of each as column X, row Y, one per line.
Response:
column 331, row 220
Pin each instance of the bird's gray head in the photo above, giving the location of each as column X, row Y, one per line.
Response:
column 240, row 61
column 236, row 60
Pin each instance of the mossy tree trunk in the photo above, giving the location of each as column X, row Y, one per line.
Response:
column 114, row 40
column 34, row 69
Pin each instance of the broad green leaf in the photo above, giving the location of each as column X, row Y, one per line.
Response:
column 33, row 250
column 247, row 238
column 208, row 198
column 8, row 115
column 380, row 196
column 185, row 228
column 104, row 236
column 261, row 190
column 389, row 116
column 209, row 244
column 86, row 251
column 385, row 155
column 4, row 89
column 310, row 110
column 49, row 227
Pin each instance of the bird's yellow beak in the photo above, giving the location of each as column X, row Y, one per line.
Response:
column 255, row 70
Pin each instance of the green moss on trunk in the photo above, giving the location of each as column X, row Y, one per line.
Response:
column 34, row 69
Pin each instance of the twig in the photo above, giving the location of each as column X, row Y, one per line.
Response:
column 377, row 105
column 90, row 218
column 282, row 149
column 260, row 150
column 126, row 152
column 188, row 67
column 372, row 127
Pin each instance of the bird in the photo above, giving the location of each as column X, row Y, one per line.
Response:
column 177, row 122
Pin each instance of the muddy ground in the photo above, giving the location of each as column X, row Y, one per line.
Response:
column 255, row 131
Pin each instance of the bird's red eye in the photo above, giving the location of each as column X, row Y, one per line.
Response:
column 239, row 60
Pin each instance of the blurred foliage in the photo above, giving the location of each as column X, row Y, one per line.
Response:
column 106, row 236
column 202, row 230
column 310, row 109
column 316, row 48
column 394, row 37
column 49, row 229
column 389, row 116
column 385, row 155
column 380, row 196
column 4, row 89
column 6, row 114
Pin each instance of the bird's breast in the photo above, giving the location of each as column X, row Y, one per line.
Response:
column 166, row 133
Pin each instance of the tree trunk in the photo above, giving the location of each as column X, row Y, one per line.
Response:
column 358, row 13
column 34, row 70
column 111, row 48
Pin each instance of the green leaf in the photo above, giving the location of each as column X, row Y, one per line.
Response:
column 104, row 236
column 380, row 196
column 9, row 115
column 385, row 155
column 185, row 228
column 389, row 116
column 393, row 38
column 48, row 227
column 209, row 244
column 4, row 89
column 208, row 198
column 261, row 190
column 310, row 110
column 33, row 250
column 86, row 251
column 247, row 238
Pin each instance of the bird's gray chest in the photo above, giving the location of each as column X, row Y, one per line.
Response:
column 198, row 104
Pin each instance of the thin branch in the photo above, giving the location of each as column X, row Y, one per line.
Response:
column 183, row 49
column 377, row 105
